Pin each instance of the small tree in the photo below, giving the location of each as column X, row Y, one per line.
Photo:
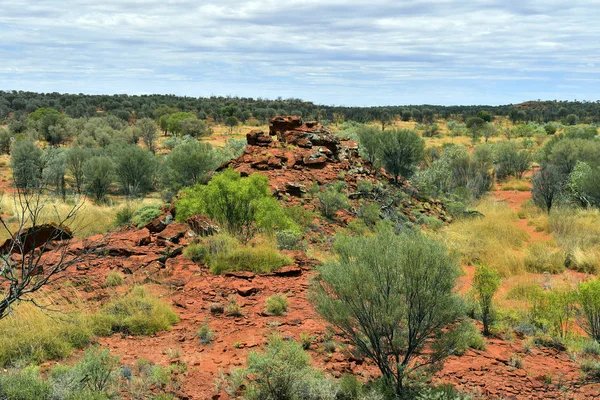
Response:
column 401, row 151
column 391, row 297
column 26, row 163
column 135, row 170
column 188, row 164
column 195, row 128
column 369, row 140
column 75, row 160
column 148, row 131
column 486, row 282
column 589, row 300
column 242, row 205
column 98, row 175
column 547, row 187
column 231, row 122
column 475, row 125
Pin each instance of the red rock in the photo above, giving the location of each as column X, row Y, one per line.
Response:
column 202, row 226
column 258, row 138
column 173, row 232
column 35, row 237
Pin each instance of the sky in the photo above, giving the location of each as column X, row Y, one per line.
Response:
column 334, row 52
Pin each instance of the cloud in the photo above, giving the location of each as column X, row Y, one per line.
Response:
column 328, row 51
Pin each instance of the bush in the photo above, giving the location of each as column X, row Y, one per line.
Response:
column 138, row 313
column 26, row 163
column 331, row 201
column 205, row 334
column 98, row 176
column 591, row 368
column 144, row 215
column 591, row 347
column 96, row 369
column 123, row 216
column 400, row 151
column 196, row 252
column 288, row 239
column 468, row 336
column 24, row 385
column 135, row 169
column 283, row 371
column 114, row 278
column 276, row 304
column 29, row 335
column 188, row 164
column 486, row 283
column 407, row 285
column 222, row 258
column 242, row 205
column 588, row 295
column 542, row 258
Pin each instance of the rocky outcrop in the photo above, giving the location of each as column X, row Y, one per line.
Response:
column 202, row 226
column 35, row 237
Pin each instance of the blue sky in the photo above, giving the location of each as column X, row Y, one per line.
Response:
column 350, row 52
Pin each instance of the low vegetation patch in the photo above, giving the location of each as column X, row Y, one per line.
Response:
column 276, row 304
column 114, row 278
column 493, row 239
column 138, row 313
column 223, row 253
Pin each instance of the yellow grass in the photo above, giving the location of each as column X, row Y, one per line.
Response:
column 493, row 240
column 91, row 219
column 520, row 185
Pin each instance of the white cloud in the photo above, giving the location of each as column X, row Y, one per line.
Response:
column 329, row 51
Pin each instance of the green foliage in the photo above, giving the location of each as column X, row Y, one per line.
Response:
column 467, row 336
column 146, row 129
column 135, row 170
column 591, row 368
column 205, row 334
column 98, row 176
column 288, row 239
column 369, row 140
column 5, row 140
column 173, row 123
column 370, row 214
column 123, row 216
column 405, row 299
column 332, row 200
column 509, row 161
column 223, row 253
column 26, row 163
column 276, row 304
column 96, row 369
column 24, row 385
column 242, row 205
column 188, row 164
column 142, row 216
column 114, row 278
column 588, row 295
column 283, row 371
column 547, row 187
column 30, row 336
column 486, row 283
column 138, row 313
column 400, row 152
column 553, row 312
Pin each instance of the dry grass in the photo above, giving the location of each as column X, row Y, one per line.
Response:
column 493, row 240
column 519, row 185
column 90, row 220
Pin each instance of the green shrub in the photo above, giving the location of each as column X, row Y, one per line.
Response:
column 97, row 369
column 276, row 304
column 222, row 253
column 524, row 291
column 205, row 334
column 24, row 385
column 542, row 258
column 142, row 216
column 486, row 283
column 123, row 216
column 241, row 205
column 114, row 278
column 370, row 214
column 196, row 252
column 301, row 216
column 591, row 368
column 331, row 201
column 138, row 313
column 283, row 371
column 588, row 295
column 591, row 347
column 553, row 312
column 468, row 336
column 29, row 335
column 288, row 239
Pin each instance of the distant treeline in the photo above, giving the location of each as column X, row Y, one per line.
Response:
column 132, row 107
